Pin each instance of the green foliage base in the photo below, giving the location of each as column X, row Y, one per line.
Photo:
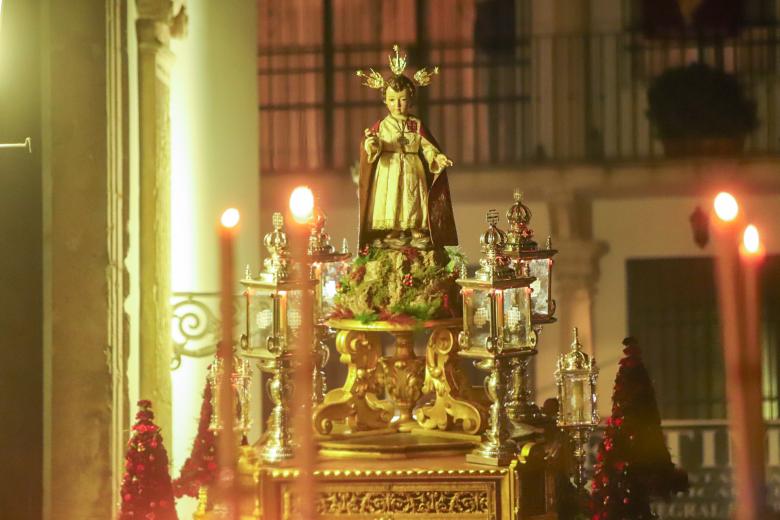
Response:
column 405, row 285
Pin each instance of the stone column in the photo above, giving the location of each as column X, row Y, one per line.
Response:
column 157, row 21
column 84, row 150
column 576, row 268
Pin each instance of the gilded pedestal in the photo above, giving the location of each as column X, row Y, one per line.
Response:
column 403, row 379
column 355, row 406
column 441, row 488
column 454, row 406
column 380, row 393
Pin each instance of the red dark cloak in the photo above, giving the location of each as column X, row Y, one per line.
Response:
column 441, row 221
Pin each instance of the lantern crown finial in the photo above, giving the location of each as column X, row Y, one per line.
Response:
column 319, row 239
column 278, row 221
column 494, row 265
column 575, row 343
column 576, row 360
column 492, row 217
column 520, row 236
column 278, row 249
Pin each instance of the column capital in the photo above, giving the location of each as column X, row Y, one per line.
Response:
column 159, row 10
column 160, row 20
column 577, row 263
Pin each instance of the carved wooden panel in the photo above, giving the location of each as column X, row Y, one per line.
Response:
column 385, row 501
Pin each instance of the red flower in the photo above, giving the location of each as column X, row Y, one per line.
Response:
column 408, row 280
column 410, row 253
column 358, row 274
column 411, row 125
column 341, row 314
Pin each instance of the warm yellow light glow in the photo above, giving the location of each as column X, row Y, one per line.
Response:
column 751, row 240
column 302, row 204
column 726, row 207
column 230, row 218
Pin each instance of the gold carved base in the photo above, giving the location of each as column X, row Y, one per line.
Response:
column 355, row 406
column 382, row 392
column 403, row 379
column 455, row 406
column 441, row 488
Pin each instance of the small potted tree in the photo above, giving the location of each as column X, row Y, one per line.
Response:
column 698, row 110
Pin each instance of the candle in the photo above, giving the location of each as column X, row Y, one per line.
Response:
column 302, row 209
column 751, row 254
column 226, row 454
column 729, row 283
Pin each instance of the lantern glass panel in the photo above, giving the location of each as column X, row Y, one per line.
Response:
column 477, row 305
column 330, row 274
column 516, row 318
column 293, row 316
column 540, row 297
column 260, row 313
column 577, row 400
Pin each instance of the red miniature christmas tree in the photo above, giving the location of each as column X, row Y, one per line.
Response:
column 200, row 469
column 633, row 463
column 146, row 493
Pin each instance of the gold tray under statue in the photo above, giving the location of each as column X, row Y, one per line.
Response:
column 380, row 393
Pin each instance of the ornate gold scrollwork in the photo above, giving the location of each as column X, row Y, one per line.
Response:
column 454, row 405
column 403, row 378
column 355, row 406
column 448, row 500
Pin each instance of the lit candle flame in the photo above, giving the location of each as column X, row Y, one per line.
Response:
column 230, row 218
column 302, row 204
column 726, row 206
column 750, row 240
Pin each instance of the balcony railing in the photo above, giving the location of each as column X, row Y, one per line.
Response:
column 562, row 98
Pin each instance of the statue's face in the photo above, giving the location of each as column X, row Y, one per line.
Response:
column 397, row 102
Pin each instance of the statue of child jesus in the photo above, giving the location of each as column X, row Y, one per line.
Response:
column 404, row 193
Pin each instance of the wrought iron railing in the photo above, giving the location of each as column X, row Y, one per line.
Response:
column 561, row 98
column 196, row 325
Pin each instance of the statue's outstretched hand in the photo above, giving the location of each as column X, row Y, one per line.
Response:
column 443, row 161
column 371, row 144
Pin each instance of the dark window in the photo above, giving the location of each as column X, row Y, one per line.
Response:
column 672, row 309
column 313, row 109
